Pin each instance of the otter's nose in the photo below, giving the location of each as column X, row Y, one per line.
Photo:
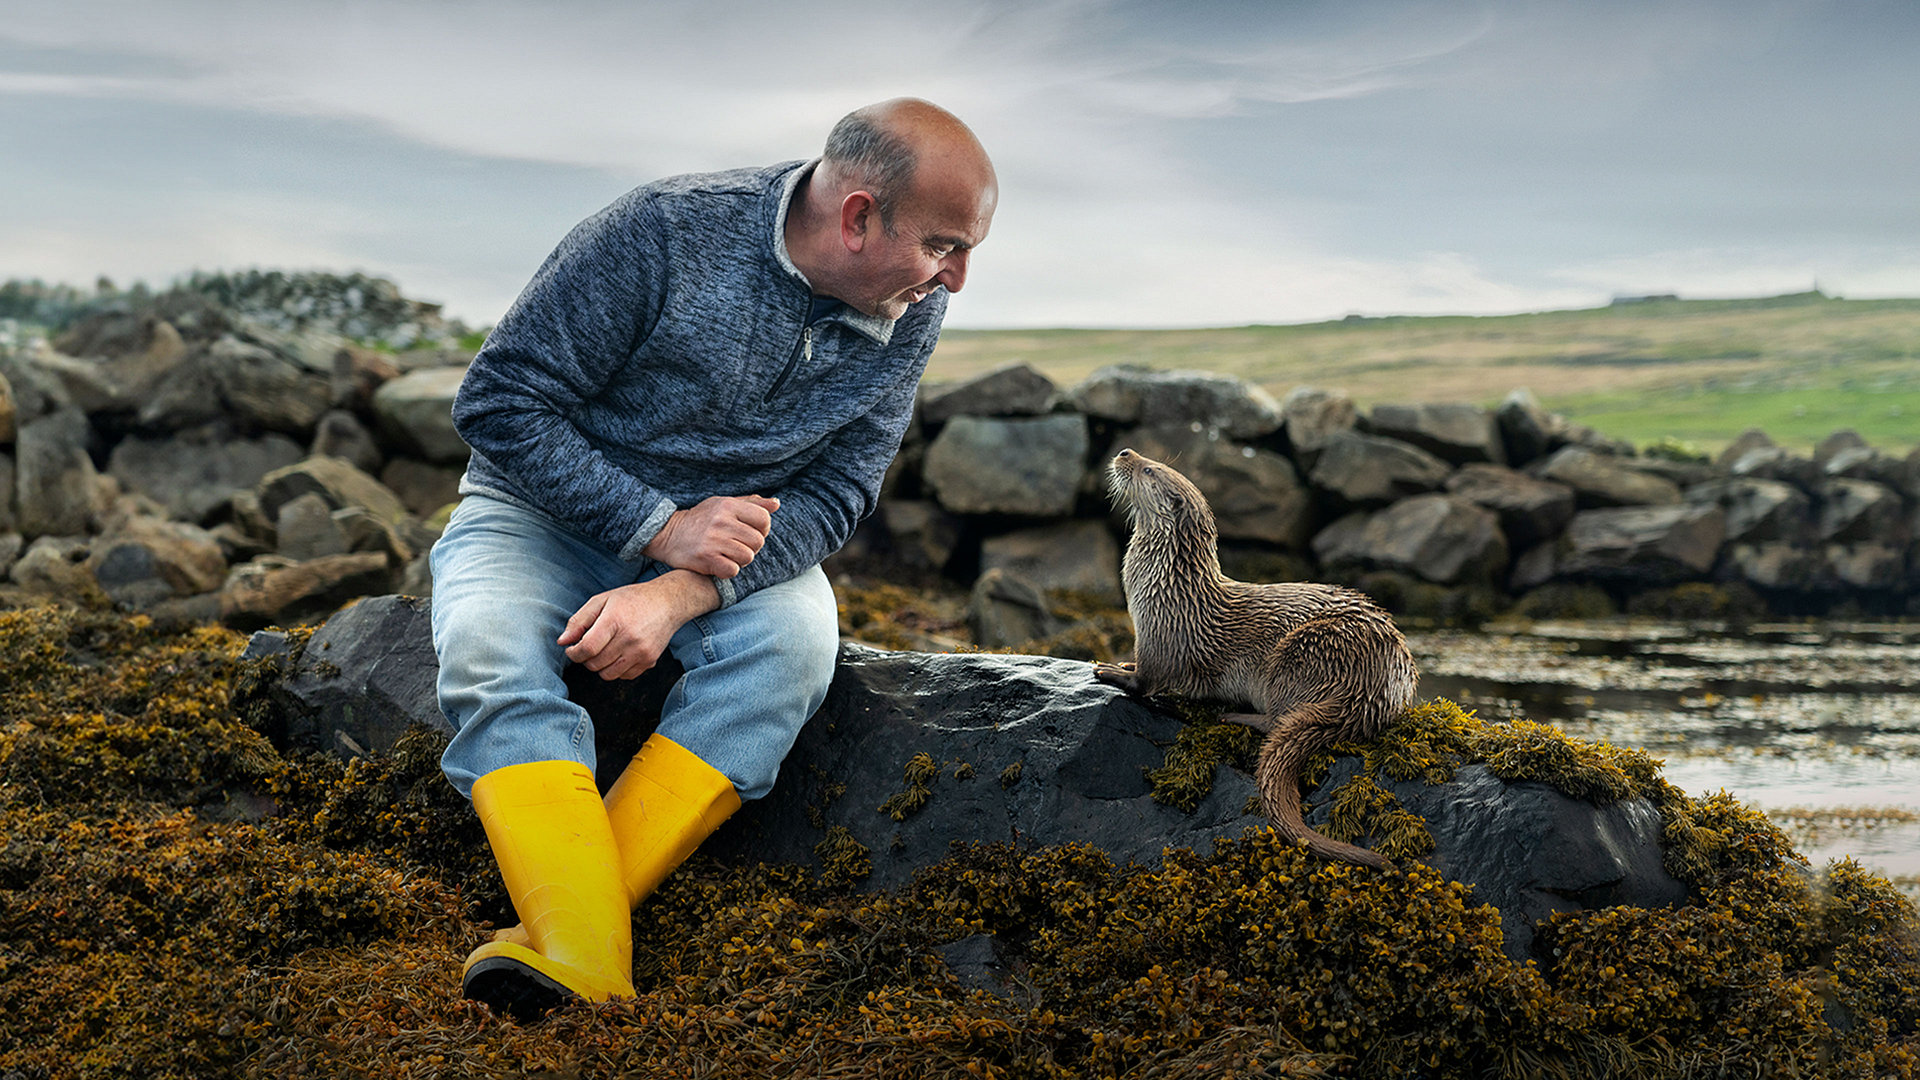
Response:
column 1126, row 454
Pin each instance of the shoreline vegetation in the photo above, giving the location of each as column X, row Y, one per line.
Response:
column 179, row 898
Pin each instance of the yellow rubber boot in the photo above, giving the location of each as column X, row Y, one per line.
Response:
column 663, row 806
column 557, row 855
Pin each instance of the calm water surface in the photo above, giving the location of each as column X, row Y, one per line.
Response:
column 1818, row 724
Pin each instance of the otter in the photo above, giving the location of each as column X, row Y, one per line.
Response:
column 1322, row 664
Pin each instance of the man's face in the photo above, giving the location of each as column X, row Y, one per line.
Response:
column 935, row 228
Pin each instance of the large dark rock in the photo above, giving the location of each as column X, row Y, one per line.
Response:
column 264, row 387
column 1015, row 389
column 1854, row 511
column 1364, row 471
column 1643, row 545
column 1757, row 510
column 1528, row 849
column 1028, row 466
column 1312, row 416
column 1775, row 564
column 57, row 489
column 1442, row 538
column 1531, row 510
column 194, row 473
column 1451, row 431
column 1130, row 395
column 1078, row 555
column 1600, row 480
column 1526, row 430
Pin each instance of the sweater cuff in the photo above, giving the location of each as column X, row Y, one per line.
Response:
column 633, row 552
column 728, row 594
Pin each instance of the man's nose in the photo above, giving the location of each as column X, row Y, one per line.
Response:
column 953, row 270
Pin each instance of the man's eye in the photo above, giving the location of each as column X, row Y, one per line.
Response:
column 941, row 252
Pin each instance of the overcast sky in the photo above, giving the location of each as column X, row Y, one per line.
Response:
column 1161, row 164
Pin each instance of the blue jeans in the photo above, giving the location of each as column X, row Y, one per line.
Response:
column 505, row 581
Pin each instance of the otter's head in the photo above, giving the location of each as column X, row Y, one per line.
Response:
column 1156, row 495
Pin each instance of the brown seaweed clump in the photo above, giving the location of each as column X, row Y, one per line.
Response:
column 179, row 900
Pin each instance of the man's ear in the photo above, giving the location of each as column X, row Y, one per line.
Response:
column 857, row 211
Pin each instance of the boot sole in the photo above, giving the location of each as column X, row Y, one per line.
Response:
column 509, row 986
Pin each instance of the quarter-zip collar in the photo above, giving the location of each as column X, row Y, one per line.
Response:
column 875, row 329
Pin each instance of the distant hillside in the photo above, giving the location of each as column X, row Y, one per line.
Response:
column 1798, row 366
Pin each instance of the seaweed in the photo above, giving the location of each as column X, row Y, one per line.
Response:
column 149, row 930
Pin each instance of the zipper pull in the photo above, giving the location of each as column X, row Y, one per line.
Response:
column 806, row 345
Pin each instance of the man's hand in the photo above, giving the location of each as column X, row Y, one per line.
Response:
column 621, row 633
column 717, row 537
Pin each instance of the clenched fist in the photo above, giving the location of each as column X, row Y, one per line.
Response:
column 716, row 537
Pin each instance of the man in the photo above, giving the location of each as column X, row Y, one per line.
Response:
column 691, row 404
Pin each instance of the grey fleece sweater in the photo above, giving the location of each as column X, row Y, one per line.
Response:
column 661, row 356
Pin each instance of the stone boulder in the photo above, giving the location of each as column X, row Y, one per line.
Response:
column 336, row 481
column 1078, row 555
column 145, row 561
column 919, row 533
column 1531, row 510
column 1853, row 511
column 1777, row 463
column 276, row 590
column 262, row 387
column 1866, row 463
column 8, row 521
column 1005, row 610
column 415, row 412
column 55, row 565
column 1601, row 480
column 1642, row 545
column 1746, row 442
column 9, row 412
column 1312, row 417
column 1131, row 395
column 1527, row 431
column 1445, row 539
column 56, row 488
column 1757, row 510
column 194, row 473
column 1015, row 389
column 1776, row 565
column 1451, row 431
column 1365, row 471
column 341, row 434
column 1528, row 849
column 1254, row 493
column 422, row 487
column 1839, row 442
column 1869, row 567
column 1026, row 466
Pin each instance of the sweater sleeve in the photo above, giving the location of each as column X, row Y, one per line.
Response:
column 588, row 307
column 821, row 506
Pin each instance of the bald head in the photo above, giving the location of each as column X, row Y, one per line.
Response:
column 886, row 148
column 893, row 211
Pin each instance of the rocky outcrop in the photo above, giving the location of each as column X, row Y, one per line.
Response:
column 1145, row 397
column 1011, row 390
column 914, row 752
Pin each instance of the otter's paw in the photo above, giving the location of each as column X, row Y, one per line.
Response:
column 1124, row 676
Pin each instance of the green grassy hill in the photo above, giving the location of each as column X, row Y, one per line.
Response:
column 1796, row 366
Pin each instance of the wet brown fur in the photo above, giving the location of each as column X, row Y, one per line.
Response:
column 1321, row 664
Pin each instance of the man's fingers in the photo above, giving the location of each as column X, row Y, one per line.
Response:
column 582, row 619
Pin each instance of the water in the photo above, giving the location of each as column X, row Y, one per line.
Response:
column 1818, row 724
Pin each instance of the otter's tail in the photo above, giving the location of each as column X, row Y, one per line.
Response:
column 1296, row 736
